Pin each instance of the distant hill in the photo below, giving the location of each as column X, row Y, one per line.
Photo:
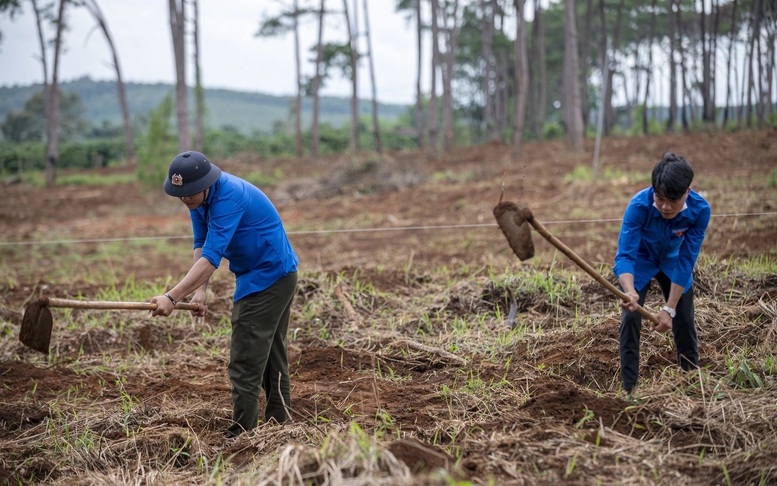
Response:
column 246, row 111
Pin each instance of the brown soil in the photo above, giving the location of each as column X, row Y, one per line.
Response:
column 427, row 214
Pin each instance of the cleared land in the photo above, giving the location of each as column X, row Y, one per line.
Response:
column 404, row 369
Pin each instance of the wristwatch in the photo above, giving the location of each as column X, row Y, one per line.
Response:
column 669, row 311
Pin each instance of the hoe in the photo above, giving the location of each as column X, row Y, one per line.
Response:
column 35, row 331
column 514, row 222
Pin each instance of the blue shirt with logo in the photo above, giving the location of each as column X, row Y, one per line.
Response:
column 238, row 222
column 649, row 243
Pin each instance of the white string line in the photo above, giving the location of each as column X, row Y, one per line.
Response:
column 352, row 230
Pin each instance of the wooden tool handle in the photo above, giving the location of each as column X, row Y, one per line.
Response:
column 98, row 304
column 588, row 268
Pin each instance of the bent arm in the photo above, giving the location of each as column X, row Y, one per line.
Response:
column 197, row 256
column 627, row 284
column 201, row 294
column 196, row 279
column 675, row 293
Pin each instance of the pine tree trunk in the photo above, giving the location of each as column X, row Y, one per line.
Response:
column 44, row 65
column 521, row 79
column 750, row 59
column 686, row 101
column 370, row 54
column 755, row 33
column 771, row 57
column 177, row 29
column 315, row 135
column 452, row 33
column 299, row 149
column 714, row 37
column 41, row 44
column 199, row 91
column 352, row 41
column 732, row 36
column 708, row 107
column 129, row 144
column 52, row 100
column 419, row 96
column 486, row 36
column 651, row 39
column 539, row 77
column 433, row 124
column 571, row 87
column 585, row 58
column 606, row 101
column 670, row 119
column 502, row 91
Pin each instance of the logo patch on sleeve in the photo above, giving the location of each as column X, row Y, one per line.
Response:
column 680, row 231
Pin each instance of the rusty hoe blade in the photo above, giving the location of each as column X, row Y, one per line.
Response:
column 516, row 222
column 37, row 323
column 513, row 221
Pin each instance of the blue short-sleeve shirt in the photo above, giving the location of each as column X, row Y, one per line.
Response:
column 238, row 222
column 649, row 243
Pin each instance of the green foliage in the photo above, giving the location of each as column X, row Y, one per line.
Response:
column 772, row 119
column 92, row 179
column 96, row 153
column 654, row 125
column 553, row 130
column 741, row 375
column 226, row 141
column 263, row 180
column 397, row 139
column 758, row 265
column 29, row 123
column 333, row 140
column 37, row 179
column 247, row 111
column 160, row 147
column 771, row 179
column 22, row 126
column 584, row 173
column 17, row 158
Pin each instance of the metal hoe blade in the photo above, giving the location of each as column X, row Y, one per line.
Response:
column 513, row 221
column 37, row 321
column 35, row 331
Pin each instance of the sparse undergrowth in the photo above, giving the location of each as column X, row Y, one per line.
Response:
column 416, row 357
column 392, row 370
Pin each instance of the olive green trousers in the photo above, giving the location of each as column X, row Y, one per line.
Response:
column 258, row 355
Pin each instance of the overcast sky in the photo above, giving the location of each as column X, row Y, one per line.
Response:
column 231, row 56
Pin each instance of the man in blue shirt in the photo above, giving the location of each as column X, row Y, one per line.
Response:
column 233, row 219
column 661, row 236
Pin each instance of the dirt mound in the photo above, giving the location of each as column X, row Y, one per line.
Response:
column 558, row 401
column 403, row 357
column 373, row 175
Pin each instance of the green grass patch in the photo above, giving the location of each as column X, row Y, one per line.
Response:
column 771, row 179
column 261, row 179
column 38, row 179
column 584, row 173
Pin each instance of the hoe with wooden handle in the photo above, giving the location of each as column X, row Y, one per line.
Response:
column 514, row 222
column 37, row 322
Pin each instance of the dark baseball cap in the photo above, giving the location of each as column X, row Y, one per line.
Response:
column 190, row 173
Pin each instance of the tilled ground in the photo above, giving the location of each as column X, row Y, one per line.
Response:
column 395, row 257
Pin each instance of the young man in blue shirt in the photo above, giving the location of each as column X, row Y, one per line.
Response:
column 660, row 238
column 233, row 219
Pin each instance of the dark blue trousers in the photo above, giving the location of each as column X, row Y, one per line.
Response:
column 683, row 329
